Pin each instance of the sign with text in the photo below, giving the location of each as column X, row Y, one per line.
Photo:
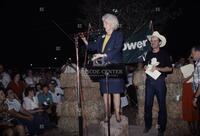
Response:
column 110, row 70
column 137, row 45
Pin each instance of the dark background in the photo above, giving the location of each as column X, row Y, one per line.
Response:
column 29, row 36
column 183, row 32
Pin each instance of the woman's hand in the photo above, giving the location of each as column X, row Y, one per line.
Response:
column 39, row 110
column 82, row 36
column 29, row 118
column 145, row 67
column 98, row 55
column 194, row 102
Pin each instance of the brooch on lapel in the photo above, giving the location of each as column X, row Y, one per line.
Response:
column 103, row 36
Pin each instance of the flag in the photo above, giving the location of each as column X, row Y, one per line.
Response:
column 137, row 45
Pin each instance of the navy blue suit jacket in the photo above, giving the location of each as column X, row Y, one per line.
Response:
column 113, row 47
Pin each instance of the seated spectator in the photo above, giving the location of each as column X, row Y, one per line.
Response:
column 30, row 81
column 30, row 102
column 6, row 127
column 36, row 77
column 45, row 97
column 56, row 92
column 38, row 89
column 57, row 96
column 22, row 116
column 46, row 101
column 42, row 79
column 4, row 77
column 17, row 85
column 56, row 77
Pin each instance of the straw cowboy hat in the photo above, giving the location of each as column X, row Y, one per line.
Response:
column 161, row 37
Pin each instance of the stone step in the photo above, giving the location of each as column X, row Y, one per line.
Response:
column 116, row 128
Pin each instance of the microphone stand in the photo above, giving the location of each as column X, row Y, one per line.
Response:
column 80, row 117
column 85, row 55
column 108, row 109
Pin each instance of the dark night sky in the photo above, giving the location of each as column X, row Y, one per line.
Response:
column 183, row 32
column 29, row 36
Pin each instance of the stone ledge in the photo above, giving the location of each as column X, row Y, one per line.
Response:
column 116, row 129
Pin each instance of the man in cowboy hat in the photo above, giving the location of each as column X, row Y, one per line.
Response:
column 160, row 61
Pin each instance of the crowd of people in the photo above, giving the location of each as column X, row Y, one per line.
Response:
column 29, row 103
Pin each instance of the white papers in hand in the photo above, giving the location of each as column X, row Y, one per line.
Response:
column 187, row 71
column 154, row 74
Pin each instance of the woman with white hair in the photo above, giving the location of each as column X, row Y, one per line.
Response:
column 109, row 47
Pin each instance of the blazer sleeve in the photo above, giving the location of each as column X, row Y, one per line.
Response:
column 94, row 45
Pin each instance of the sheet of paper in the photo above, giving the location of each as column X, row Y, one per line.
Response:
column 124, row 101
column 154, row 74
column 187, row 70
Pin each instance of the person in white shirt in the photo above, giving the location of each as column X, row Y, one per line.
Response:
column 56, row 77
column 57, row 81
column 58, row 96
column 22, row 116
column 30, row 79
column 56, row 92
column 4, row 77
column 38, row 89
column 9, row 129
column 30, row 102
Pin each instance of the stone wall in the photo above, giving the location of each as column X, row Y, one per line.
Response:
column 92, row 106
column 175, row 124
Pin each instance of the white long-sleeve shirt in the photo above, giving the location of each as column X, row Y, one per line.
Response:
column 57, row 95
column 30, row 104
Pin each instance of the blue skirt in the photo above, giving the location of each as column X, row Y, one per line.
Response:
column 115, row 85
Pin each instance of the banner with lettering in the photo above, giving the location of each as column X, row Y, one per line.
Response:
column 137, row 45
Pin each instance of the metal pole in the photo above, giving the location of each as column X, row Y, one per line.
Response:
column 85, row 56
column 108, row 107
column 80, row 117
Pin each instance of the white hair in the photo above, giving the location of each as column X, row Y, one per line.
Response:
column 112, row 19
